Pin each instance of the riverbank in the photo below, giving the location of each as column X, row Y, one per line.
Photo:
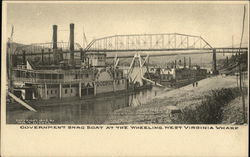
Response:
column 230, row 110
column 158, row 110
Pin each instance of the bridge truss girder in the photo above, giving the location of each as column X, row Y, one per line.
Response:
column 173, row 41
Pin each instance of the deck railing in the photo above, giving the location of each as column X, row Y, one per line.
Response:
column 56, row 81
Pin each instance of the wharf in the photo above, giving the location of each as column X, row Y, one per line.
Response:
column 157, row 110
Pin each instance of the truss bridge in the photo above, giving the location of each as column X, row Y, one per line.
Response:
column 155, row 42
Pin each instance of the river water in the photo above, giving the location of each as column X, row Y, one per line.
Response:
column 90, row 111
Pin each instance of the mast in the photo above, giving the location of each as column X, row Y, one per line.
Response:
column 9, row 59
column 84, row 39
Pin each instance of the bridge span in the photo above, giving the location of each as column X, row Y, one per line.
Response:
column 155, row 42
column 167, row 43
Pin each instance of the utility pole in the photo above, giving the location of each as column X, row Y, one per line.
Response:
column 232, row 43
column 239, row 67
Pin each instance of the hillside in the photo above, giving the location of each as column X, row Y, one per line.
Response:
column 14, row 45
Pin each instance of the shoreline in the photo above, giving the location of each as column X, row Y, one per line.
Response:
column 158, row 110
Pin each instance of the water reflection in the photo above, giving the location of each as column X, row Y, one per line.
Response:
column 91, row 111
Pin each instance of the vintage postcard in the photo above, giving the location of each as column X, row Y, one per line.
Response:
column 170, row 74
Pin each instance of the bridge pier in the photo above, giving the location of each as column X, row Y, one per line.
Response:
column 214, row 70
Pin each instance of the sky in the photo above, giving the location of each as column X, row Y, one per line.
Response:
column 215, row 22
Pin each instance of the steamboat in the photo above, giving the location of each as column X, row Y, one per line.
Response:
column 176, row 75
column 60, row 70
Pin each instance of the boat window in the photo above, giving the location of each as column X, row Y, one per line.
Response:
column 54, row 76
column 61, row 76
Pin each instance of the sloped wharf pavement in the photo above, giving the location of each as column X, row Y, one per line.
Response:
column 158, row 110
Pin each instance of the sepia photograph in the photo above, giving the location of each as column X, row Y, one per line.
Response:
column 74, row 63
column 123, row 78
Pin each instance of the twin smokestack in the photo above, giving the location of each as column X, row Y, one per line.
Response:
column 71, row 37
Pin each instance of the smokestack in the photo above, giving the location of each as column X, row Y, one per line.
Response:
column 184, row 62
column 49, row 56
column 24, row 57
column 42, row 56
column 54, row 36
column 71, row 37
column 189, row 62
column 54, row 44
column 71, row 41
